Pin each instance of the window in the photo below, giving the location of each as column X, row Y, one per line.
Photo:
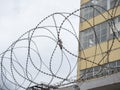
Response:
column 97, row 32
column 112, row 67
column 103, row 32
column 118, row 26
column 115, row 28
column 103, row 5
column 99, row 71
column 104, row 70
column 89, row 73
column 114, row 3
column 118, row 66
column 83, row 74
column 92, row 36
column 118, row 18
column 118, row 63
column 100, row 33
column 87, row 38
column 89, row 12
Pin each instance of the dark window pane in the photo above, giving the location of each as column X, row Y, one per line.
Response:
column 118, row 66
column 89, row 73
column 118, row 63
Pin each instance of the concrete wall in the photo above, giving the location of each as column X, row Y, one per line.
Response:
column 72, row 87
column 111, row 82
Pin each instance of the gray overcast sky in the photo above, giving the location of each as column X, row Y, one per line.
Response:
column 18, row 16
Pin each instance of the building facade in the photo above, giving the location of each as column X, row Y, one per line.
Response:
column 99, row 48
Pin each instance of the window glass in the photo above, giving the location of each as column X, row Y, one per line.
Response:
column 112, row 67
column 88, row 13
column 97, row 71
column 97, row 68
column 102, row 33
column 87, row 38
column 89, row 73
column 97, row 32
column 118, row 63
column 103, row 4
column 114, row 3
column 91, row 40
column 118, row 66
column 119, row 19
column 115, row 29
column 119, row 33
column 112, row 64
column 100, row 6
column 104, row 70
column 83, row 74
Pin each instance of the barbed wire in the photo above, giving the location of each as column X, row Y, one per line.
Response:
column 49, row 52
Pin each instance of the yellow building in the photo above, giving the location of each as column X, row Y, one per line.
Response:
column 99, row 49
